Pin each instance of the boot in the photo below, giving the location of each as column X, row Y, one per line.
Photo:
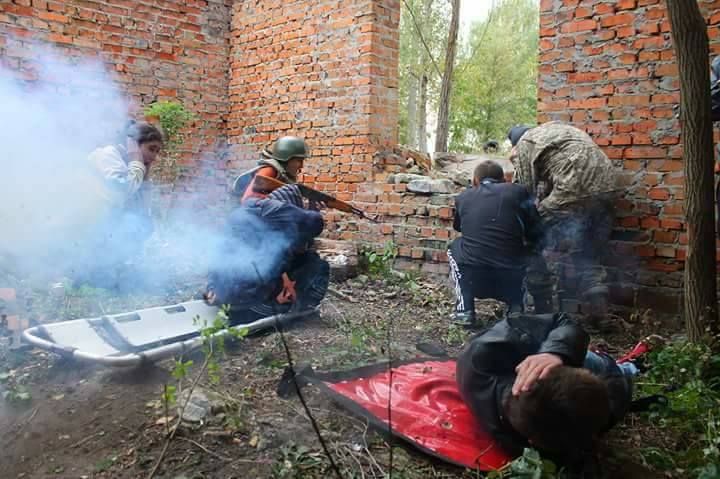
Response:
column 466, row 319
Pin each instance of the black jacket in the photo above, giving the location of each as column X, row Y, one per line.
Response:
column 715, row 89
column 259, row 243
column 486, row 369
column 499, row 225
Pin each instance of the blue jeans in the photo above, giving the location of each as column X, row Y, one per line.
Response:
column 601, row 365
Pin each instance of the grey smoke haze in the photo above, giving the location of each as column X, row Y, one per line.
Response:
column 49, row 194
column 51, row 204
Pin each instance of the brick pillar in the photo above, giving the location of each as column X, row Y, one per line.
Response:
column 325, row 70
column 609, row 68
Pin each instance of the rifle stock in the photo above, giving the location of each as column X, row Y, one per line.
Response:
column 266, row 184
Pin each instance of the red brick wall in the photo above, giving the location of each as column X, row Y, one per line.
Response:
column 608, row 67
column 325, row 70
column 157, row 49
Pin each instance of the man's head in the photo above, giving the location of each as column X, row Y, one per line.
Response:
column 291, row 151
column 563, row 412
column 488, row 169
column 516, row 132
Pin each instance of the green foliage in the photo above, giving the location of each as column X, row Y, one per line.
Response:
column 17, row 395
column 495, row 84
column 173, row 117
column 528, row 466
column 689, row 375
column 379, row 263
column 213, row 346
column 14, row 391
column 455, row 334
column 169, row 397
column 105, row 464
column 299, row 461
column 433, row 19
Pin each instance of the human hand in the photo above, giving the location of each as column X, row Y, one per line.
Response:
column 133, row 149
column 210, row 297
column 316, row 205
column 533, row 368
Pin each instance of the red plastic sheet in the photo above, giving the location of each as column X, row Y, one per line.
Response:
column 639, row 349
column 428, row 410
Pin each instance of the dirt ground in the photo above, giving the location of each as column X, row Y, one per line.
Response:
column 90, row 422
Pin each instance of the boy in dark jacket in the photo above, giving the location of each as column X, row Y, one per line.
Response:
column 264, row 265
column 531, row 381
column 499, row 225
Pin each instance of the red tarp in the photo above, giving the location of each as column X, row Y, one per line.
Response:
column 427, row 409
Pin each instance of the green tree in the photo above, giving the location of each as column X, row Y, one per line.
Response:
column 423, row 34
column 496, row 77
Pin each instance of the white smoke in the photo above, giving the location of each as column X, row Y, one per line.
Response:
column 51, row 201
column 49, row 191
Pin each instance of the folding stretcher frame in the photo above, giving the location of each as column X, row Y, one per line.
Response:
column 146, row 335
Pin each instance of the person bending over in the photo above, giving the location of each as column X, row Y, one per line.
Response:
column 575, row 185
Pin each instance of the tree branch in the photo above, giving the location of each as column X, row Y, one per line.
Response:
column 422, row 38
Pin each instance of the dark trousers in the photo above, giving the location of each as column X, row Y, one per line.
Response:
column 312, row 277
column 485, row 282
column 580, row 235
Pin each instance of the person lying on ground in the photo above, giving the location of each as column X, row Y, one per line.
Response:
column 499, row 225
column 283, row 161
column 575, row 185
column 265, row 265
column 531, row 382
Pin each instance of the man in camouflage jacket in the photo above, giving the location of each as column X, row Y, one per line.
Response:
column 575, row 185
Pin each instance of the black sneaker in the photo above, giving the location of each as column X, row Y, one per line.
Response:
column 466, row 319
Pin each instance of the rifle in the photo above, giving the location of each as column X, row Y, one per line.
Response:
column 266, row 184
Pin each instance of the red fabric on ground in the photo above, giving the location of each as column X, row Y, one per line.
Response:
column 427, row 409
column 639, row 349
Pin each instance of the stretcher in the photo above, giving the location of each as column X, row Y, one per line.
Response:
column 146, row 335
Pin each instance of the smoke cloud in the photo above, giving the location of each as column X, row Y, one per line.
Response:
column 52, row 207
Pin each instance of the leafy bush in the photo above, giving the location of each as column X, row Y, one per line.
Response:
column 379, row 263
column 173, row 117
column 688, row 374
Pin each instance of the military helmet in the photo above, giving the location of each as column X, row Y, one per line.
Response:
column 288, row 147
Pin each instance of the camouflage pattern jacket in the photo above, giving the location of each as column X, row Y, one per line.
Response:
column 566, row 164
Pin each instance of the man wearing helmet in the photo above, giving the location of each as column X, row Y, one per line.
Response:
column 283, row 161
column 264, row 265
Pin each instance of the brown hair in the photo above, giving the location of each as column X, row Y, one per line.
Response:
column 144, row 132
column 488, row 169
column 563, row 412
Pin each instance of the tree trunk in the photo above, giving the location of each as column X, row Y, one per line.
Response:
column 412, row 113
column 443, row 126
column 422, row 115
column 690, row 40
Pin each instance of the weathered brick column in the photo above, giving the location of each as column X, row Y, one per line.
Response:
column 608, row 67
column 325, row 70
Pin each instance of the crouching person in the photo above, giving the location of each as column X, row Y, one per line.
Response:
column 123, row 187
column 499, row 226
column 264, row 265
column 531, row 382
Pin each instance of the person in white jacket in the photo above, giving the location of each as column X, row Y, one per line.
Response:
column 124, row 166
column 122, row 170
